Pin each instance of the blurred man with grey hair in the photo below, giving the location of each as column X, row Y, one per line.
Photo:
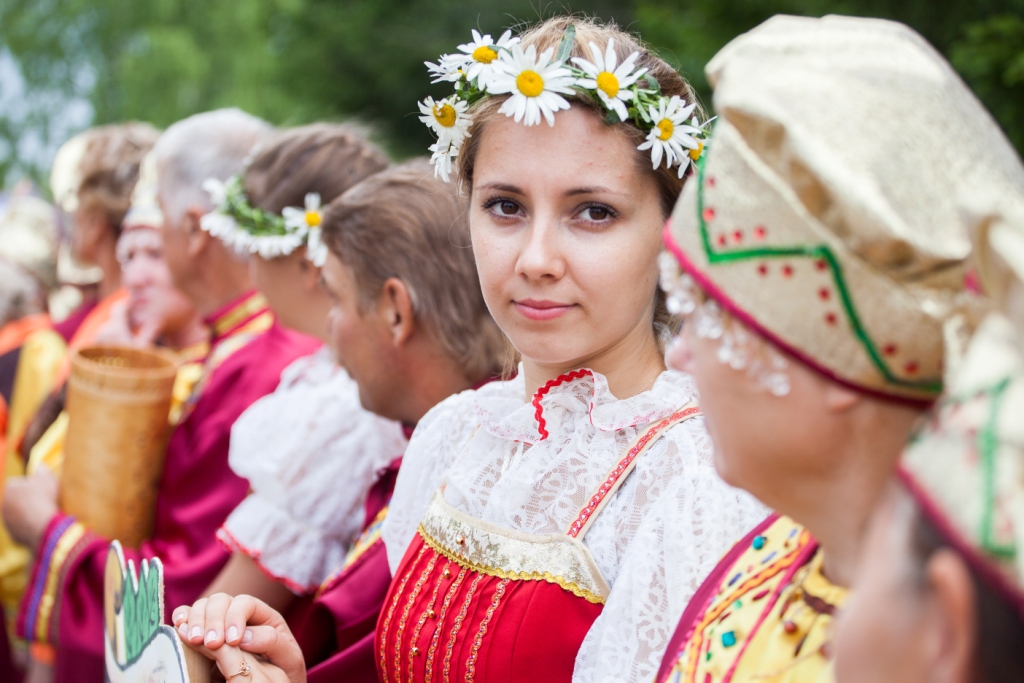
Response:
column 248, row 351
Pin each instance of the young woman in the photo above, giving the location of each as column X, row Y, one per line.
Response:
column 820, row 286
column 309, row 450
column 518, row 503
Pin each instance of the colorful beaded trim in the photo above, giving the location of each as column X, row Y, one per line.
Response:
column 436, row 546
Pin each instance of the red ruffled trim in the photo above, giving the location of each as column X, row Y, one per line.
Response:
column 548, row 386
column 228, row 541
column 989, row 574
column 723, row 299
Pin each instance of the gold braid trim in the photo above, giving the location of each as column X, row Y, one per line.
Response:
column 437, row 547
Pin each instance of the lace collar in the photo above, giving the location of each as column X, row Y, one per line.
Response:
column 560, row 403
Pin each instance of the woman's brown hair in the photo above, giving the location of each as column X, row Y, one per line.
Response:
column 110, row 168
column 406, row 224
column 324, row 158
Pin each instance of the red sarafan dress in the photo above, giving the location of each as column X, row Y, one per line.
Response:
column 474, row 601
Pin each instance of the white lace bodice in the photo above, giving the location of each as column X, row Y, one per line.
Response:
column 310, row 453
column 489, row 448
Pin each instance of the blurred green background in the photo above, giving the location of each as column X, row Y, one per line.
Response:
column 66, row 64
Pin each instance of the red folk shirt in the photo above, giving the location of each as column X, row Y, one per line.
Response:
column 64, row 602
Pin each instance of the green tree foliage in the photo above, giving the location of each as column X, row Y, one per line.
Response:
column 295, row 61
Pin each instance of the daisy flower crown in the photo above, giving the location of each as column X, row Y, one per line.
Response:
column 536, row 85
column 251, row 230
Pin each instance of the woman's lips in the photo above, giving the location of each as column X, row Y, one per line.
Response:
column 541, row 310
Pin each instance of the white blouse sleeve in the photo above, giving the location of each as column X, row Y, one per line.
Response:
column 695, row 521
column 310, row 453
column 435, row 445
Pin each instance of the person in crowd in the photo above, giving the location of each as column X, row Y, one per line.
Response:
column 518, row 503
column 63, row 606
column 939, row 589
column 104, row 165
column 406, row 357
column 309, row 451
column 821, row 277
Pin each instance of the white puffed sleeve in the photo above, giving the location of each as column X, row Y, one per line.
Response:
column 682, row 537
column 310, row 453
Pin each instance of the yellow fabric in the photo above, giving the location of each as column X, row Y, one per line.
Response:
column 37, row 366
column 49, row 450
column 754, row 604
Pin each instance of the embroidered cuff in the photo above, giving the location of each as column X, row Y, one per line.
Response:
column 63, row 534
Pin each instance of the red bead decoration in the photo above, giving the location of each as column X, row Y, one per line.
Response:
column 711, row 181
column 889, row 349
column 722, row 239
column 820, row 264
column 762, row 269
column 787, row 270
column 830, row 318
column 760, row 232
column 911, row 368
column 709, row 214
column 737, row 236
column 824, row 294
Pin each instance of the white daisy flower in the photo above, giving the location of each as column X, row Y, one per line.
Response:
column 316, row 249
column 694, row 155
column 217, row 190
column 447, row 118
column 480, row 58
column 611, row 84
column 671, row 137
column 300, row 221
column 443, row 155
column 305, row 224
column 534, row 83
column 448, row 68
column 275, row 246
column 221, row 226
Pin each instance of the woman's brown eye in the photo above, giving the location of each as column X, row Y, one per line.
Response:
column 598, row 213
column 508, row 208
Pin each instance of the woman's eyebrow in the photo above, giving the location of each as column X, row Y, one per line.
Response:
column 502, row 187
column 596, row 189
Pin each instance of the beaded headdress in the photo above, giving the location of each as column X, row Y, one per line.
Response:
column 251, row 230
column 537, row 85
column 841, row 241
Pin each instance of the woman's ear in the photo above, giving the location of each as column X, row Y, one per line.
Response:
column 953, row 618
column 196, row 237
column 395, row 306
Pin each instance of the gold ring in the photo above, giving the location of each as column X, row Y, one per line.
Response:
column 243, row 670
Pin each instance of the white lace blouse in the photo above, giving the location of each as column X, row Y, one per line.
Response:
column 310, row 453
column 487, row 447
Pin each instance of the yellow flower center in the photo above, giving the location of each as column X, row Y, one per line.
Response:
column 445, row 115
column 608, row 83
column 695, row 153
column 530, row 83
column 484, row 54
column 312, row 218
column 666, row 127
